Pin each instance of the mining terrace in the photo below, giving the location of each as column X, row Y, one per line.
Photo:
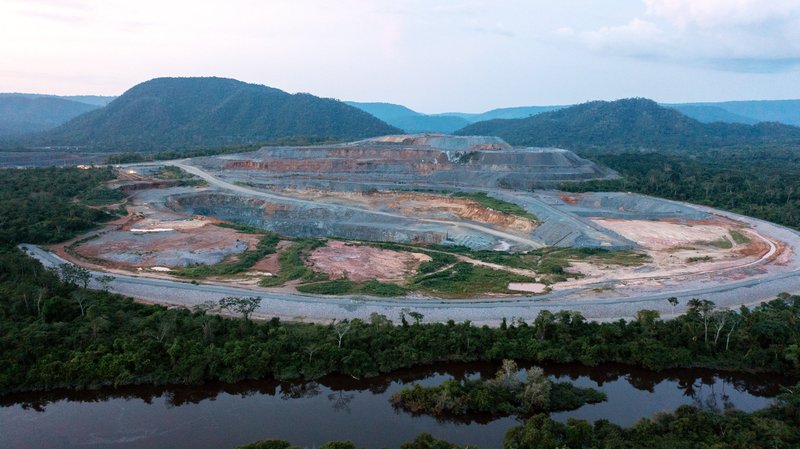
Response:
column 463, row 228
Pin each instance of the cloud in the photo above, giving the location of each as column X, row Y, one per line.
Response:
column 712, row 13
column 730, row 35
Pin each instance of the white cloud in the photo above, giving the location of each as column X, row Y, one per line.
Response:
column 713, row 13
column 636, row 37
column 735, row 35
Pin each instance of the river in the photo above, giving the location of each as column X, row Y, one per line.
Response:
column 309, row 414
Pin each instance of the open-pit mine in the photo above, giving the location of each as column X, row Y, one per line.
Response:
column 461, row 228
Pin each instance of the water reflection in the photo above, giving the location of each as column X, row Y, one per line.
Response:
column 700, row 385
column 340, row 407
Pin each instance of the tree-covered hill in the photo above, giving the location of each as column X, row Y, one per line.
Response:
column 193, row 112
column 21, row 114
column 629, row 123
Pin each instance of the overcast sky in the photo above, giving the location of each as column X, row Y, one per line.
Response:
column 433, row 56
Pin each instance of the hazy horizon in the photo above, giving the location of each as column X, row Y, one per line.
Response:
column 434, row 57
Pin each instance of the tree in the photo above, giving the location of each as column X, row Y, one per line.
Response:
column 507, row 375
column 673, row 301
column 75, row 275
column 105, row 281
column 341, row 328
column 240, row 305
column 204, row 307
column 417, row 316
column 537, row 389
column 80, row 297
column 704, row 307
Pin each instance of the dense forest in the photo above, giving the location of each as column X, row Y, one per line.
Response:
column 52, row 204
column 762, row 182
column 174, row 113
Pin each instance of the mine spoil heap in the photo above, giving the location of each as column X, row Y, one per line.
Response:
column 283, row 189
column 469, row 161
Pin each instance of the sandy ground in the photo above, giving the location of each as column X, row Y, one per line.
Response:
column 660, row 235
column 528, row 287
column 362, row 263
column 679, row 250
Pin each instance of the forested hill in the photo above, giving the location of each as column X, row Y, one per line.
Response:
column 20, row 113
column 631, row 123
column 194, row 112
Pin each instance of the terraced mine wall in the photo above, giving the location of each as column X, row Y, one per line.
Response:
column 622, row 205
column 303, row 220
column 394, row 163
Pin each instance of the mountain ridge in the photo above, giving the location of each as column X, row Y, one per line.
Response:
column 168, row 113
column 633, row 122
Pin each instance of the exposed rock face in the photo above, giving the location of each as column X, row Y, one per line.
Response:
column 305, row 221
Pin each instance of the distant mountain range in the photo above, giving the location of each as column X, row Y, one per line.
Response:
column 412, row 121
column 745, row 112
column 28, row 113
column 166, row 113
column 638, row 123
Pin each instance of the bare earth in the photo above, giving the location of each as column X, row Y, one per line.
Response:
column 362, row 263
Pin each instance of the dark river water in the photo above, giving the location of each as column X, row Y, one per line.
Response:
column 309, row 414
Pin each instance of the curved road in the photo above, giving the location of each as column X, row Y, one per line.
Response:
column 491, row 311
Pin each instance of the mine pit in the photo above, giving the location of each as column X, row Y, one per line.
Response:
column 425, row 198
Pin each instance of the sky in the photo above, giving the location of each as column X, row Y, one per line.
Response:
column 433, row 56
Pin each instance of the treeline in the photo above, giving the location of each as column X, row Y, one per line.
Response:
column 56, row 334
column 50, row 205
column 759, row 182
column 165, row 155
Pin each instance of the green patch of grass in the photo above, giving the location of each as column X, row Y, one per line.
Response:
column 247, row 259
column 348, row 287
column 243, row 228
column 739, row 238
column 465, row 279
column 437, row 262
column 495, row 204
column 698, row 259
column 624, row 258
column 721, row 243
column 293, row 264
column 173, row 173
